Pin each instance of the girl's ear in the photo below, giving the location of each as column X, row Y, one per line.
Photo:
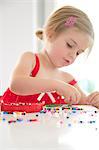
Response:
column 51, row 36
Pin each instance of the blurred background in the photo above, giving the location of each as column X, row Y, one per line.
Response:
column 19, row 19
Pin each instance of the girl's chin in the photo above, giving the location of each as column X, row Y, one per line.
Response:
column 60, row 66
column 64, row 64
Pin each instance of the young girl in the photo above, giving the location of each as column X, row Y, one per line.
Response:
column 67, row 33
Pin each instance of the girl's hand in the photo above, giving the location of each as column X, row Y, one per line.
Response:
column 93, row 99
column 71, row 94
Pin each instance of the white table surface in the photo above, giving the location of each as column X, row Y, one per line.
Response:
column 51, row 131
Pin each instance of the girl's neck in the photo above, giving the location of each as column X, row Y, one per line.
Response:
column 46, row 60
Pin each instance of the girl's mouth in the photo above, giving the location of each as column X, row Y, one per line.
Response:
column 66, row 61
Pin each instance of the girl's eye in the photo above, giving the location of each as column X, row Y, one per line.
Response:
column 70, row 46
column 78, row 53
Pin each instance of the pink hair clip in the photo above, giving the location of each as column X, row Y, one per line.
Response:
column 70, row 21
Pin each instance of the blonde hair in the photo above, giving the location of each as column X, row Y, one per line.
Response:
column 56, row 22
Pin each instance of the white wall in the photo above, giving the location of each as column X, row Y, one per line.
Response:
column 41, row 11
column 16, row 31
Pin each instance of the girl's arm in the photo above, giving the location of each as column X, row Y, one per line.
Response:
column 83, row 99
column 67, row 78
column 23, row 84
column 91, row 99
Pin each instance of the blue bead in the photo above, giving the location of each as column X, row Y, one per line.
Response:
column 69, row 125
column 3, row 119
column 5, row 112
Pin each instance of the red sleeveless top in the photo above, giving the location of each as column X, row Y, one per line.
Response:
column 9, row 98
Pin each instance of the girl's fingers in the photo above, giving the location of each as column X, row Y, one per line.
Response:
column 95, row 99
column 73, row 99
column 96, row 104
column 91, row 97
column 69, row 99
column 78, row 97
column 43, row 103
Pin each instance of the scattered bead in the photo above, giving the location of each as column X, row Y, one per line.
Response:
column 3, row 119
column 19, row 120
column 81, row 121
column 23, row 113
column 95, row 111
column 73, row 111
column 32, row 120
column 61, row 122
column 12, row 121
column 69, row 125
column 53, row 110
column 67, row 117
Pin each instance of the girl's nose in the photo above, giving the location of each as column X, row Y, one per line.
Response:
column 72, row 57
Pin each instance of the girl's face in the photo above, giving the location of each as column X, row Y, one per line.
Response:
column 63, row 50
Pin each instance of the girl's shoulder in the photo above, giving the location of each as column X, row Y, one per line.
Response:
column 28, row 54
column 25, row 64
column 67, row 77
column 27, row 57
